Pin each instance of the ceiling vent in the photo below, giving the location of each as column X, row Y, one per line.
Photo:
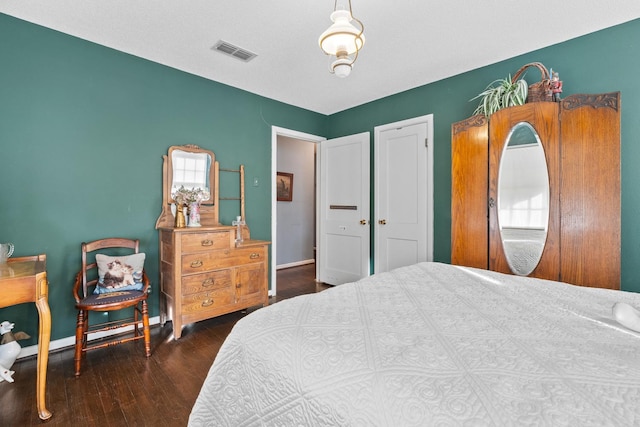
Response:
column 235, row 51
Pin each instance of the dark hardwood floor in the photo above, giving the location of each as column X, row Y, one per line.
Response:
column 120, row 387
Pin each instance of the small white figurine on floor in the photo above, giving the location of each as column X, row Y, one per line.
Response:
column 9, row 349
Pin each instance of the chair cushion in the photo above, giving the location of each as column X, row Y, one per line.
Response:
column 119, row 273
column 110, row 298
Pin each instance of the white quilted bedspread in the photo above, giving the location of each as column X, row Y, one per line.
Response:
column 429, row 345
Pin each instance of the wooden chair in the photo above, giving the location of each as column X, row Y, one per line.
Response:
column 86, row 301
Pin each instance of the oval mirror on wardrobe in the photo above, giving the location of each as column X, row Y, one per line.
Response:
column 523, row 199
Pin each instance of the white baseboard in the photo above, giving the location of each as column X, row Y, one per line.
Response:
column 295, row 264
column 71, row 341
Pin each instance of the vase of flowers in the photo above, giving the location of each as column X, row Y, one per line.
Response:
column 191, row 198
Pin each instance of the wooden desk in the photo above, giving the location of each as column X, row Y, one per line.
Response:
column 25, row 280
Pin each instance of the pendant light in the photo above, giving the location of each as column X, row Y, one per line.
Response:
column 343, row 40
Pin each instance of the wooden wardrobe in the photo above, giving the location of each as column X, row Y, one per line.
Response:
column 581, row 140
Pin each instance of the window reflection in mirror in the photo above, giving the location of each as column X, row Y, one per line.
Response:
column 190, row 170
column 523, row 199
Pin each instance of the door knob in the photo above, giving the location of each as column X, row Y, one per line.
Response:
column 382, row 221
column 363, row 222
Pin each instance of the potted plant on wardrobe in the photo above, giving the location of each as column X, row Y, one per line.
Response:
column 501, row 93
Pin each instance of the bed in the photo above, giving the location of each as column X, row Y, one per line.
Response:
column 430, row 344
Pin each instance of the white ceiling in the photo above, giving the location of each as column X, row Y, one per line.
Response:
column 409, row 43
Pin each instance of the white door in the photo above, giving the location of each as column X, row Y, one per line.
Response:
column 403, row 193
column 343, row 209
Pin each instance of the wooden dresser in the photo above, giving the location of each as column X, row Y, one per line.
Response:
column 203, row 274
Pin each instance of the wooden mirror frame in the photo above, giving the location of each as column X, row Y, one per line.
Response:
column 208, row 209
column 523, row 177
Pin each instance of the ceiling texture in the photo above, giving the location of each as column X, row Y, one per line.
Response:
column 409, row 43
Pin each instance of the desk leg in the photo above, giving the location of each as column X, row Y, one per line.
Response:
column 44, row 336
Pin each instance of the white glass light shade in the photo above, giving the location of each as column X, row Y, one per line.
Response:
column 341, row 36
column 341, row 67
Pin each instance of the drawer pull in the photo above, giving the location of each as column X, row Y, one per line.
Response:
column 196, row 264
column 207, row 242
column 208, row 302
column 208, row 282
column 254, row 255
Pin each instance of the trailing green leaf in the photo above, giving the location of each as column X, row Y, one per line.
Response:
column 501, row 93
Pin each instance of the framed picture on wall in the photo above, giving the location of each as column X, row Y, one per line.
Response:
column 284, row 186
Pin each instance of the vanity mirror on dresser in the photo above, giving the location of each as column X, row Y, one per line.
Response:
column 205, row 271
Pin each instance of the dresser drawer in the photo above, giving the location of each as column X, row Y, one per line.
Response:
column 209, row 300
column 209, row 281
column 197, row 242
column 192, row 263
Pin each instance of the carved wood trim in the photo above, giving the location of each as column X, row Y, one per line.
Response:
column 601, row 100
column 473, row 121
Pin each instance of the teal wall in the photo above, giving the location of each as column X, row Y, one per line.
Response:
column 605, row 61
column 83, row 129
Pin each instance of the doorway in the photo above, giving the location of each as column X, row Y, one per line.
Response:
column 293, row 222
